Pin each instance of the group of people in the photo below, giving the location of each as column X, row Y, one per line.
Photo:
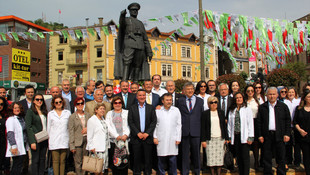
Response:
column 156, row 128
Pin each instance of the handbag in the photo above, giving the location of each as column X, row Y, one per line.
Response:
column 41, row 136
column 92, row 164
column 228, row 158
column 120, row 157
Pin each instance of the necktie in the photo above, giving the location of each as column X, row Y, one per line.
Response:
column 190, row 105
column 223, row 105
column 125, row 101
column 148, row 99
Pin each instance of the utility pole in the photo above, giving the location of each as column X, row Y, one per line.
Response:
column 88, row 53
column 201, row 40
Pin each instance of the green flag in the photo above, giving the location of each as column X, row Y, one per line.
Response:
column 65, row 34
column 210, row 15
column 180, row 32
column 153, row 19
column 3, row 36
column 40, row 34
column 185, row 19
column 194, row 20
column 169, row 18
column 51, row 33
column 78, row 34
column 105, row 30
column 29, row 34
column 15, row 36
column 91, row 31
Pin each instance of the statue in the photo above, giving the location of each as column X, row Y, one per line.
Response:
column 133, row 50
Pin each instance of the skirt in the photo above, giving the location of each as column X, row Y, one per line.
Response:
column 215, row 152
column 104, row 156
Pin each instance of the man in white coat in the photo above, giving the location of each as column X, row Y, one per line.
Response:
column 167, row 134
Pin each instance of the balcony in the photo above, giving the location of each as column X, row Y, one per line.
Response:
column 77, row 44
column 76, row 62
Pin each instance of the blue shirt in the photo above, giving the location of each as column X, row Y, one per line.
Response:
column 142, row 117
column 67, row 96
column 90, row 97
column 193, row 100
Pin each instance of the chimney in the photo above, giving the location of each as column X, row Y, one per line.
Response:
column 100, row 21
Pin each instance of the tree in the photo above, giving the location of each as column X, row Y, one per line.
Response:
column 50, row 25
column 299, row 68
column 228, row 78
column 282, row 77
column 244, row 75
column 179, row 83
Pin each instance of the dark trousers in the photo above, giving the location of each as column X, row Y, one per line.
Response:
column 143, row 155
column 293, row 143
column 243, row 155
column 269, row 145
column 38, row 158
column 162, row 160
column 17, row 164
column 190, row 149
column 305, row 147
column 115, row 170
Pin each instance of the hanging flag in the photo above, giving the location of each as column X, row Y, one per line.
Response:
column 169, row 18
column 179, row 32
column 98, row 31
column 84, row 32
column 51, row 33
column 65, row 34
column 59, row 33
column 22, row 35
column 185, row 19
column 177, row 17
column 153, row 19
column 59, row 11
column 72, row 34
column 194, row 20
column 91, row 31
column 15, row 36
column 29, row 35
column 40, row 34
column 10, row 34
column 3, row 36
column 105, row 30
column 78, row 34
column 113, row 29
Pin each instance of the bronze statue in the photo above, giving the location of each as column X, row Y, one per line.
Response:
column 133, row 49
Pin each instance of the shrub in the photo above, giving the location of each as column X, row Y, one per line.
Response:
column 282, row 77
column 179, row 83
column 244, row 75
column 228, row 78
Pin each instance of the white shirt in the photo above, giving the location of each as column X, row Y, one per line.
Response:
column 160, row 91
column 57, row 128
column 43, row 121
column 215, row 124
column 272, row 118
column 168, row 131
column 205, row 101
column 292, row 106
column 254, row 107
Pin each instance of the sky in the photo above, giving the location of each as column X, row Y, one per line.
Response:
column 74, row 12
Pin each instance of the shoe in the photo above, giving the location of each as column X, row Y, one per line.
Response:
column 286, row 168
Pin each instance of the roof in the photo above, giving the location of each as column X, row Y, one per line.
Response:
column 14, row 18
column 188, row 36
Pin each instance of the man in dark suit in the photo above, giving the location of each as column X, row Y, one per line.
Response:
column 191, row 108
column 151, row 98
column 142, row 122
column 29, row 93
column 225, row 100
column 273, row 130
column 66, row 93
column 170, row 86
column 129, row 98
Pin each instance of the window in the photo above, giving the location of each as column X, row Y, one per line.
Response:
column 62, row 39
column 99, row 74
column 99, row 52
column 186, row 51
column 39, row 60
column 79, row 56
column 60, row 56
column 240, row 53
column 187, row 71
column 20, row 27
column 166, row 70
column 240, row 65
column 207, row 72
column 166, row 51
column 60, row 77
column 34, row 60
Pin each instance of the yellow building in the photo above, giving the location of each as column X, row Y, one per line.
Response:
column 179, row 60
column 69, row 58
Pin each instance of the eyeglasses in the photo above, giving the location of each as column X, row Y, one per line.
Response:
column 213, row 102
column 258, row 87
column 283, row 91
column 1, row 104
column 82, row 103
column 58, row 102
column 39, row 99
column 203, row 86
column 117, row 103
column 249, row 91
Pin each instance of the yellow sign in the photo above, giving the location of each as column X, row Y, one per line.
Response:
column 20, row 75
column 20, row 65
column 20, row 56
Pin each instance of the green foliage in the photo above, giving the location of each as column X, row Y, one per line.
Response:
column 179, row 83
column 282, row 77
column 228, row 78
column 299, row 68
column 50, row 25
column 244, row 75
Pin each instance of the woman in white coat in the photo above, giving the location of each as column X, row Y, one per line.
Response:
column 241, row 131
column 117, row 121
column 98, row 136
column 16, row 137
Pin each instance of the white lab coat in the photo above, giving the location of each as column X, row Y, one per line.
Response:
column 12, row 124
column 97, row 135
column 57, row 128
column 246, row 124
column 168, row 131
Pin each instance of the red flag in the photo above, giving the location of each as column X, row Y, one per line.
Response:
column 229, row 25
column 270, row 35
column 224, row 35
column 236, row 43
column 250, row 34
column 59, row 11
column 284, row 35
column 301, row 35
column 247, row 42
column 257, row 44
column 267, row 47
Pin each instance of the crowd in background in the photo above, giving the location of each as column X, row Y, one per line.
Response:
column 151, row 128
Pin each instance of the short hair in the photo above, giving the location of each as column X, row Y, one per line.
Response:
column 79, row 87
column 88, row 82
column 99, row 83
column 171, row 81
column 146, row 81
column 107, row 85
column 97, row 90
column 139, row 90
column 271, row 88
column 223, row 84
column 117, row 98
column 98, row 106
column 156, row 75
column 78, row 99
column 134, row 83
column 11, row 108
column 65, row 80
column 212, row 98
column 124, row 81
column 1, row 87
column 53, row 102
column 188, row 84
column 30, row 87
column 165, row 95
